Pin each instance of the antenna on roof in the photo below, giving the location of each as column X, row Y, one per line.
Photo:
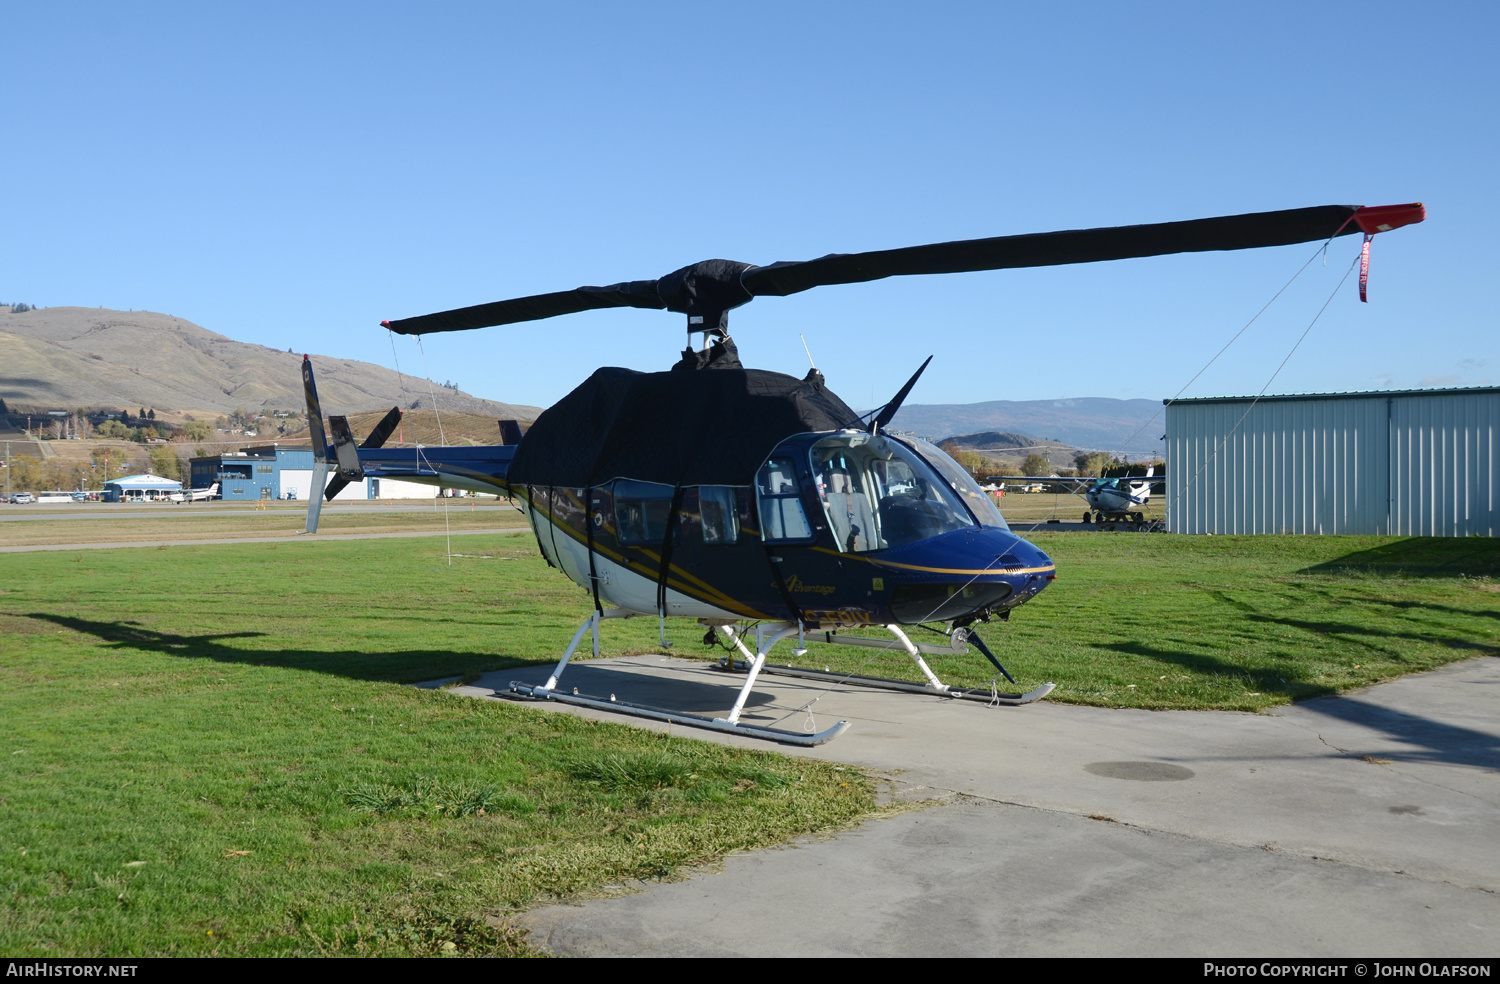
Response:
column 807, row 350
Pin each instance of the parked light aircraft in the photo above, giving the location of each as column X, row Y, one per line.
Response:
column 196, row 495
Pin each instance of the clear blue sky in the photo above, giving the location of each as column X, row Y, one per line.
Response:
column 292, row 174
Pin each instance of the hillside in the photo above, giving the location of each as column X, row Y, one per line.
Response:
column 1011, row 450
column 1095, row 423
column 994, row 440
column 419, row 427
column 67, row 357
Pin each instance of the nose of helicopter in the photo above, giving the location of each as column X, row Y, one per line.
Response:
column 963, row 572
column 1031, row 569
column 1026, row 555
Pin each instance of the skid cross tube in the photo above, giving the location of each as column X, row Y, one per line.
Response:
column 956, row 646
column 730, row 724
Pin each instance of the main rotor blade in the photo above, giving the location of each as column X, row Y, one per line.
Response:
column 633, row 293
column 1296, row 225
column 706, row 290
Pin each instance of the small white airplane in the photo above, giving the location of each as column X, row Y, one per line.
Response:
column 196, row 495
column 1116, row 499
column 1110, row 500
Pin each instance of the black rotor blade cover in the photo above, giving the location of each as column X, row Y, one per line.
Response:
column 1250, row 231
column 634, row 293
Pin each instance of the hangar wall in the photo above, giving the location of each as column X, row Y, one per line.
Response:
column 394, row 488
column 296, row 483
column 1411, row 462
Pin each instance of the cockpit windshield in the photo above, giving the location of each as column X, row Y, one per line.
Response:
column 979, row 503
column 878, row 493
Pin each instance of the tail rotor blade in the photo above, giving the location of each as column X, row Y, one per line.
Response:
column 314, row 412
column 383, row 430
column 319, row 447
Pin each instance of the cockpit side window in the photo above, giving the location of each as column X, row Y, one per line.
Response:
column 779, row 494
column 641, row 512
column 849, row 490
column 719, row 515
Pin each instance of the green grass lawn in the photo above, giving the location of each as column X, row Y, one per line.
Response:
column 1229, row 623
column 231, row 519
column 210, row 750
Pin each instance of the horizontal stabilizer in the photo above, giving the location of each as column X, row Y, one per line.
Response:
column 475, row 469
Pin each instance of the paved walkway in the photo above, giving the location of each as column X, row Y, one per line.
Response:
column 1362, row 825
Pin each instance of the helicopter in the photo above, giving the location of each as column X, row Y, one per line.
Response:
column 745, row 498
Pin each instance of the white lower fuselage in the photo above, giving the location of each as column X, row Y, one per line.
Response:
column 621, row 585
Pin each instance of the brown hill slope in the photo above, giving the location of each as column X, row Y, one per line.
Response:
column 418, row 427
column 68, row 357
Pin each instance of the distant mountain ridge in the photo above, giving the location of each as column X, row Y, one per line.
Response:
column 67, row 357
column 1095, row 423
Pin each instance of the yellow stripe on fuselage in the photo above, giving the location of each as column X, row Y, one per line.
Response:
column 705, row 592
column 939, row 570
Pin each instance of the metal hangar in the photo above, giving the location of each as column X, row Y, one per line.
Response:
column 1402, row 462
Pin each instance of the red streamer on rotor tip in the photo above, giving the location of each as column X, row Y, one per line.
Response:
column 1364, row 269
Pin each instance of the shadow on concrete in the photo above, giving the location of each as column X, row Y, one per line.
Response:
column 1426, row 740
column 640, row 686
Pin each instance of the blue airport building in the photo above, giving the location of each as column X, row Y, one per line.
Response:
column 265, row 472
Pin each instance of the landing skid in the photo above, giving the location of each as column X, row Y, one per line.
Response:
column 691, row 720
column 730, row 724
column 957, row 645
column 904, row 686
column 766, row 637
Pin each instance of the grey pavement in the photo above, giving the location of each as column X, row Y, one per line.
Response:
column 1362, row 825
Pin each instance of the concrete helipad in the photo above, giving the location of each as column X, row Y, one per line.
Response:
column 1363, row 825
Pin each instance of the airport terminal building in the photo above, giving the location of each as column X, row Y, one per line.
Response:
column 1406, row 462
